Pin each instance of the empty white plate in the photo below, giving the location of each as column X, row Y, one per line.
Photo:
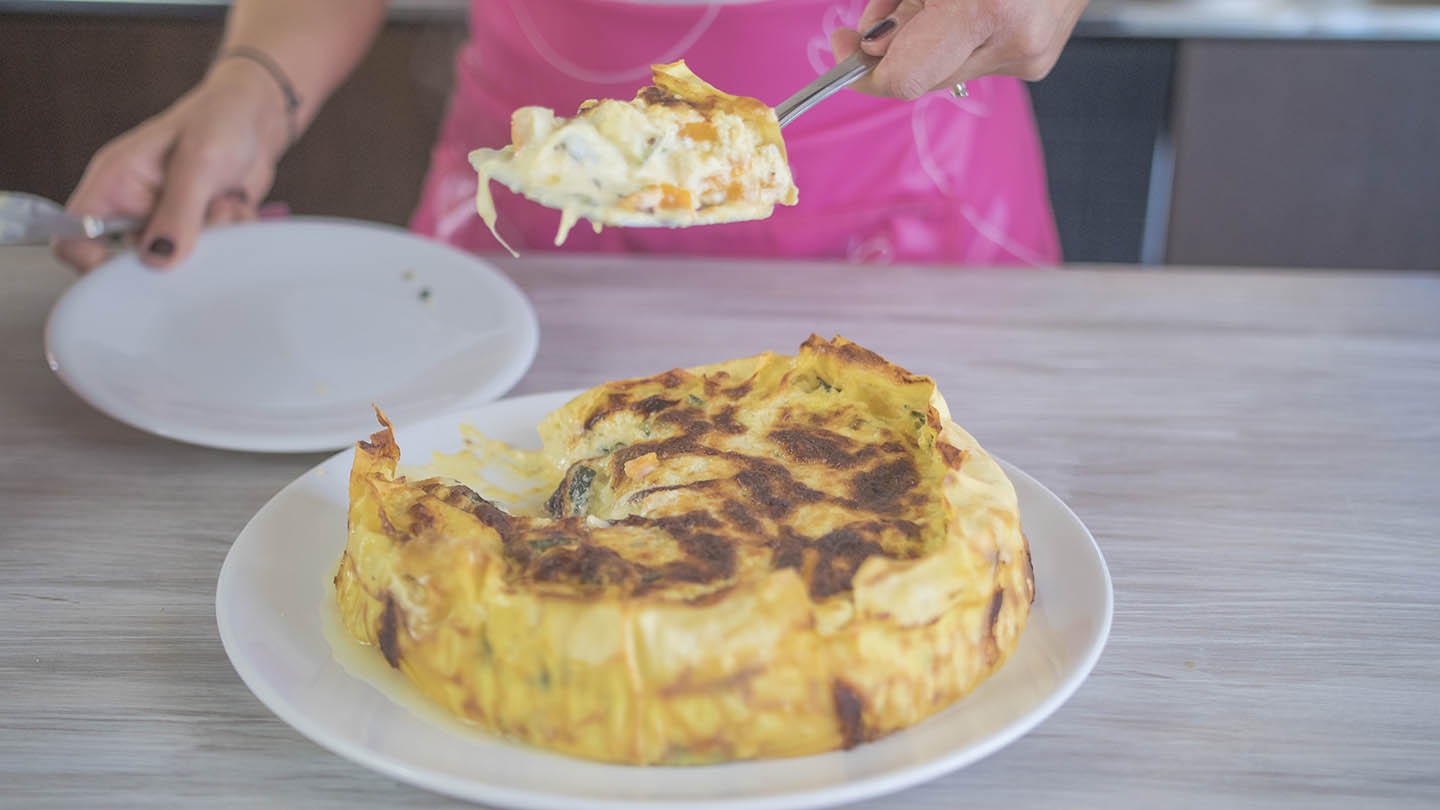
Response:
column 277, row 336
column 275, row 592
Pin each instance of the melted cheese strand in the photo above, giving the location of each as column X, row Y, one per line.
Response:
column 569, row 215
column 484, row 202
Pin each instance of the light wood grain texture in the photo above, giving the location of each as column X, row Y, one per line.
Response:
column 1255, row 452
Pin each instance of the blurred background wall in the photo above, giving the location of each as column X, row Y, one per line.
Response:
column 1223, row 132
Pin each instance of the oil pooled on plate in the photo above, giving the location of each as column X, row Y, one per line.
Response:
column 364, row 663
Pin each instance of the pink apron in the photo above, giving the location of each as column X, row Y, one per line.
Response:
column 935, row 180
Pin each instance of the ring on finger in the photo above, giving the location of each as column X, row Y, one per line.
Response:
column 959, row 91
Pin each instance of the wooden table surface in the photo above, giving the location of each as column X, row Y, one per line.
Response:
column 1256, row 453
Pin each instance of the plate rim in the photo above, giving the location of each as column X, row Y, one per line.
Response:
column 279, row 442
column 845, row 792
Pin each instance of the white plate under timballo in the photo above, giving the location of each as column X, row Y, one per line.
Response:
column 272, row 595
column 276, row 336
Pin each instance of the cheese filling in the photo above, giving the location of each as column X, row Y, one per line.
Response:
column 681, row 153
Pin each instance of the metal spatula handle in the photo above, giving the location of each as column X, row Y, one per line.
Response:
column 827, row 84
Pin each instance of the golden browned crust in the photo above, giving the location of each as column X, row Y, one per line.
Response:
column 766, row 557
column 676, row 85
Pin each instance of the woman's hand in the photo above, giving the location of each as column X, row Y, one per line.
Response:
column 209, row 158
column 938, row 43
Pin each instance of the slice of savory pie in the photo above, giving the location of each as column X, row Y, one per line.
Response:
column 767, row 557
column 681, row 153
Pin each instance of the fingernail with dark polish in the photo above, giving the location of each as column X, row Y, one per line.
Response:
column 880, row 29
column 161, row 246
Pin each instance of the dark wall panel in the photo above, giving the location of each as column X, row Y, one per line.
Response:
column 1099, row 112
column 70, row 83
column 1307, row 153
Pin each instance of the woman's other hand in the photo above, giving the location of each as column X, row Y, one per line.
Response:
column 209, row 158
column 935, row 44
